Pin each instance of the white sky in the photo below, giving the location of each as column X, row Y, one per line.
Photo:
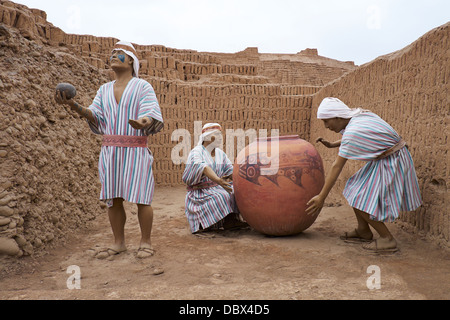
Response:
column 346, row 30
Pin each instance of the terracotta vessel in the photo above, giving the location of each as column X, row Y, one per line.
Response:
column 274, row 178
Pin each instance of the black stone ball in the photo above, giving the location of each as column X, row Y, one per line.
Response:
column 69, row 89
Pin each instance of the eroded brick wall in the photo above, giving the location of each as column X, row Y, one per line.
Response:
column 49, row 184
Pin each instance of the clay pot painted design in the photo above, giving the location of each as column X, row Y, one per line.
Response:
column 274, row 178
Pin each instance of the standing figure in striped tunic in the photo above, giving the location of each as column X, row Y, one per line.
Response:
column 384, row 187
column 210, row 203
column 125, row 112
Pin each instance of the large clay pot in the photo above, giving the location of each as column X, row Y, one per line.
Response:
column 274, row 178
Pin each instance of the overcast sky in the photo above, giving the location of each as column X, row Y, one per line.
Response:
column 346, row 30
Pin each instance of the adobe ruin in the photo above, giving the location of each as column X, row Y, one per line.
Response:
column 49, row 184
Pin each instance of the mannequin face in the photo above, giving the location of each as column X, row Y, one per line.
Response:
column 213, row 141
column 121, row 61
column 336, row 124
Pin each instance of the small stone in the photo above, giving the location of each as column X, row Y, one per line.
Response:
column 28, row 249
column 21, row 241
column 54, row 218
column 3, row 153
column 49, row 237
column 6, row 185
column 30, row 104
column 4, row 221
column 6, row 211
column 37, row 243
column 62, row 115
column 158, row 271
column 4, row 201
column 9, row 247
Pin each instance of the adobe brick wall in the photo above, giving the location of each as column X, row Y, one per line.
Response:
column 233, row 106
column 410, row 90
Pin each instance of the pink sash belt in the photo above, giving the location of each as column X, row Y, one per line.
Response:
column 125, row 141
column 203, row 185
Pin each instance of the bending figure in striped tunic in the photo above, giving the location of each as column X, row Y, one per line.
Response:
column 125, row 164
column 210, row 203
column 383, row 188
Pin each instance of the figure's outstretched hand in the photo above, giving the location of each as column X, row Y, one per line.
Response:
column 324, row 142
column 315, row 205
column 329, row 144
column 141, row 123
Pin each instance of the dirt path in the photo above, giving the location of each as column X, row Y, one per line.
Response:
column 234, row 265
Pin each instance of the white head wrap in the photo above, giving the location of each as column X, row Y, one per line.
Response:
column 334, row 108
column 208, row 130
column 129, row 49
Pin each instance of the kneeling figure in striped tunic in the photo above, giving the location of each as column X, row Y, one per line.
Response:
column 210, row 203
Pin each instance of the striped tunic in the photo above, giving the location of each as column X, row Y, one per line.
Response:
column 126, row 172
column 206, row 207
column 382, row 188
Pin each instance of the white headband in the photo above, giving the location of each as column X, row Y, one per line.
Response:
column 208, row 130
column 334, row 108
column 128, row 48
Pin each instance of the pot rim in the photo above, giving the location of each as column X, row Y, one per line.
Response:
column 290, row 137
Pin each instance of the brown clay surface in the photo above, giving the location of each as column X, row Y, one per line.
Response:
column 234, row 265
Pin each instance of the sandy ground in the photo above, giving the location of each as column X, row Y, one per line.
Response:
column 233, row 265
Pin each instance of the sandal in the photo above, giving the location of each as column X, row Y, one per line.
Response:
column 374, row 248
column 204, row 235
column 145, row 252
column 355, row 239
column 107, row 253
column 237, row 225
column 233, row 222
